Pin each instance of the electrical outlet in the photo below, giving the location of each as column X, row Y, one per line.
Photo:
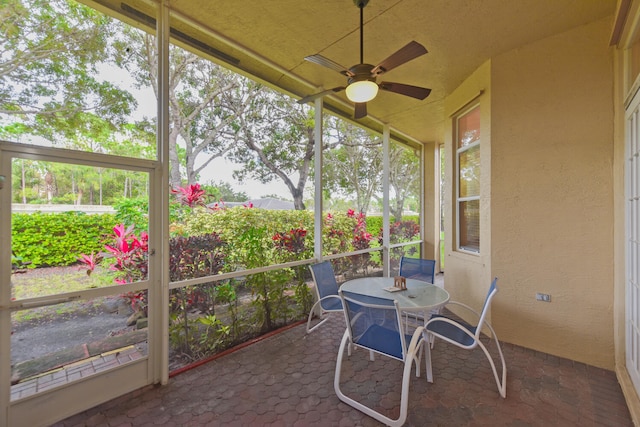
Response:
column 543, row 297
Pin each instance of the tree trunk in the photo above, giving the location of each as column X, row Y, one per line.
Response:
column 175, row 179
column 48, row 180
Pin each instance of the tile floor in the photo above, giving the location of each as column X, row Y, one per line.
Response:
column 287, row 380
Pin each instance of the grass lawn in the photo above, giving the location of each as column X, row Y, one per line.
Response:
column 40, row 282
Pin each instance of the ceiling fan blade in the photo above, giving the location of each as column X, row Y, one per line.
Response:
column 360, row 111
column 408, row 90
column 406, row 54
column 315, row 96
column 326, row 62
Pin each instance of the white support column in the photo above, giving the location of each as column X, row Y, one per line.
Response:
column 5, row 288
column 317, row 204
column 385, row 202
column 160, row 206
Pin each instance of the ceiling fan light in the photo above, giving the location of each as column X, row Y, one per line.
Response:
column 362, row 91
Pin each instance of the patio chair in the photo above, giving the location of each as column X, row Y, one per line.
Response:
column 465, row 336
column 375, row 324
column 417, row 269
column 326, row 292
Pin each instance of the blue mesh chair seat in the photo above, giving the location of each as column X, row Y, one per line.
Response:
column 326, row 292
column 418, row 269
column 455, row 332
column 375, row 324
column 468, row 337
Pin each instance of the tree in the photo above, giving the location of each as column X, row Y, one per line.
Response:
column 354, row 168
column 222, row 191
column 204, row 102
column 404, row 178
column 50, row 56
column 276, row 140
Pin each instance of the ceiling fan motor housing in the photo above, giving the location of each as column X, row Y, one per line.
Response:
column 361, row 72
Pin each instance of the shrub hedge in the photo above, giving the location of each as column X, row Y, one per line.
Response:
column 57, row 239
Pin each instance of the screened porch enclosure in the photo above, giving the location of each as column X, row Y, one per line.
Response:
column 515, row 166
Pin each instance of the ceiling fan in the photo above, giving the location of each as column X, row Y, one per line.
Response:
column 361, row 84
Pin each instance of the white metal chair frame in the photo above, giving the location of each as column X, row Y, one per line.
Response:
column 473, row 335
column 410, row 353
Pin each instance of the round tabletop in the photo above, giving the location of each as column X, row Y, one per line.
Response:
column 419, row 295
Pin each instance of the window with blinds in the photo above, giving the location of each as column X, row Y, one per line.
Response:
column 468, row 180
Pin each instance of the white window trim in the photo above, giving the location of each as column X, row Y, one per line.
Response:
column 459, row 199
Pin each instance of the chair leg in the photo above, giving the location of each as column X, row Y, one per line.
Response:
column 404, row 397
column 501, row 383
column 309, row 328
column 427, row 356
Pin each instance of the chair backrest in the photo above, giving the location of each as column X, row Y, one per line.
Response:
column 418, row 269
column 493, row 290
column 374, row 323
column 325, row 280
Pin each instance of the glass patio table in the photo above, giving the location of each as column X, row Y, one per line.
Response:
column 419, row 297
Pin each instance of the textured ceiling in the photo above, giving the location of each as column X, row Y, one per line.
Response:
column 270, row 38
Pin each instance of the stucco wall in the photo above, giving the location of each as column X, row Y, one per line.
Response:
column 552, row 194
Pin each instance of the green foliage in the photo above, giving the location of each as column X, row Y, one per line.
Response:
column 268, row 288
column 18, row 264
column 72, row 184
column 197, row 337
column 52, row 84
column 57, row 239
column 374, row 225
column 222, row 191
column 195, row 256
column 337, row 233
column 234, row 222
column 192, row 257
column 133, row 211
column 226, row 293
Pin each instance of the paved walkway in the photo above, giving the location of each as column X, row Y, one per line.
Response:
column 75, row 371
column 287, row 380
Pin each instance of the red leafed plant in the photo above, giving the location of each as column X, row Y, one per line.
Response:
column 361, row 238
column 192, row 195
column 291, row 241
column 130, row 255
column 90, row 261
